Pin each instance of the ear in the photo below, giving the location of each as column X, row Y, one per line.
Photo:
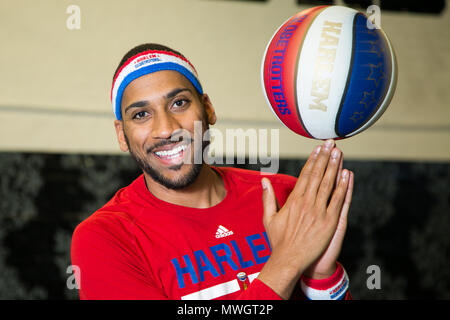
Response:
column 118, row 124
column 211, row 113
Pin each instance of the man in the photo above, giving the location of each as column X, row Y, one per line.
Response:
column 187, row 230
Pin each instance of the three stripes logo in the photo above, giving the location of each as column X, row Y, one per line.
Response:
column 223, row 232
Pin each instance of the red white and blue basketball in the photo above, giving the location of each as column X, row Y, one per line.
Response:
column 327, row 73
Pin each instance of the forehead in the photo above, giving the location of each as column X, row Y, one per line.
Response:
column 154, row 85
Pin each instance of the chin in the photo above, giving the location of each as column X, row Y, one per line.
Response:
column 180, row 176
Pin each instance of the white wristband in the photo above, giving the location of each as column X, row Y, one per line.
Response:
column 335, row 292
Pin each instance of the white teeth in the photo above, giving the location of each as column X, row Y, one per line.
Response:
column 172, row 152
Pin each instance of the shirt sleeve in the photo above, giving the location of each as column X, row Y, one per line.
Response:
column 108, row 268
column 258, row 290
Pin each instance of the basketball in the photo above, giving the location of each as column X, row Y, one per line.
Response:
column 327, row 73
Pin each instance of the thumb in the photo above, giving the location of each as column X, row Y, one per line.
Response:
column 270, row 203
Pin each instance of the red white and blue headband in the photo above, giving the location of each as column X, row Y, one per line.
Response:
column 148, row 62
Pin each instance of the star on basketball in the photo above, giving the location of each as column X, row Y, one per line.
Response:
column 368, row 99
column 377, row 48
column 376, row 73
column 357, row 116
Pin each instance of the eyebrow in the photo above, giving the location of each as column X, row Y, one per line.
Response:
column 144, row 103
column 176, row 91
column 137, row 104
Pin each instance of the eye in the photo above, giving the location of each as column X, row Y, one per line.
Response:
column 140, row 115
column 180, row 103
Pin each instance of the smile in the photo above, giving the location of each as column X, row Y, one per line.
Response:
column 171, row 153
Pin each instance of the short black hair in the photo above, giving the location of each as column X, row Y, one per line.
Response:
column 141, row 48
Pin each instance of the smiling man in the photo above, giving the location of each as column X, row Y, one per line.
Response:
column 156, row 140
column 188, row 230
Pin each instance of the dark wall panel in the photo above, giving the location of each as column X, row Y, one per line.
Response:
column 399, row 221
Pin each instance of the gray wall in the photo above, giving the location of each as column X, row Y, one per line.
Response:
column 55, row 84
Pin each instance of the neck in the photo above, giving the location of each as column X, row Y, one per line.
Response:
column 206, row 191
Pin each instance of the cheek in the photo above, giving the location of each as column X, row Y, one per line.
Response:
column 137, row 137
column 194, row 123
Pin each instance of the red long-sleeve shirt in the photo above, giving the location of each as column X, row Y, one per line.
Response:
column 140, row 247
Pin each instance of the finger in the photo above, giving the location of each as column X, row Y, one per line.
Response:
column 348, row 197
column 317, row 172
column 342, row 224
column 341, row 164
column 329, row 178
column 302, row 180
column 336, row 203
column 270, row 203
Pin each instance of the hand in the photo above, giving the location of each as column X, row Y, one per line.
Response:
column 325, row 266
column 301, row 231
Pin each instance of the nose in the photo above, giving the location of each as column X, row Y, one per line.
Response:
column 164, row 125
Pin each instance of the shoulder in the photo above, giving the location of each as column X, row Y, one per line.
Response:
column 107, row 236
column 112, row 222
column 103, row 229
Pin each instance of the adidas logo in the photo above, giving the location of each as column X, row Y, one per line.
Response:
column 223, row 232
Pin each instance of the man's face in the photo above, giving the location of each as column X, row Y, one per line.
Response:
column 158, row 115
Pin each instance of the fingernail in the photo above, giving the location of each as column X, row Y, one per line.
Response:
column 344, row 174
column 317, row 150
column 328, row 144
column 264, row 184
column 335, row 154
